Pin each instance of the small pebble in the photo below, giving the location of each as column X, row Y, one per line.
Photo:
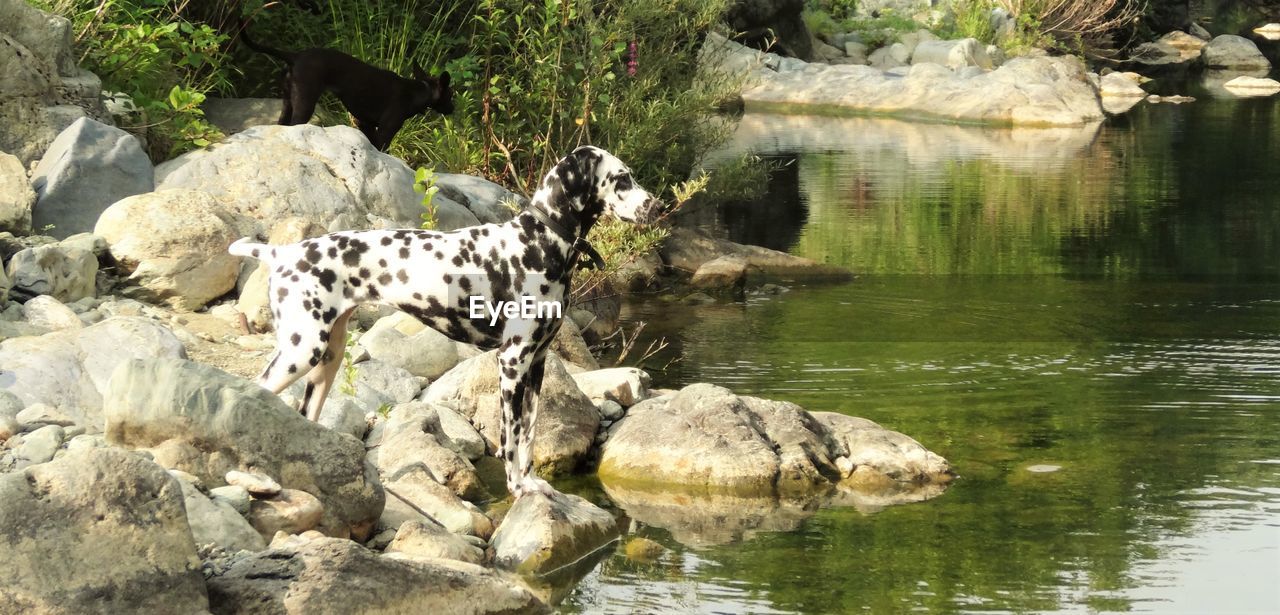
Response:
column 643, row 550
column 1043, row 468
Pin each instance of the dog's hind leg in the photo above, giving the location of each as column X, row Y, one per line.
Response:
column 302, row 102
column 320, row 378
column 299, row 348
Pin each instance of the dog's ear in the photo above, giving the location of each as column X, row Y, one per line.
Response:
column 418, row 73
column 585, row 159
column 444, row 80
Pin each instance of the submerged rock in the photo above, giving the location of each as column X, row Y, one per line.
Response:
column 206, row 422
column 688, row 250
column 542, row 533
column 333, row 576
column 97, row 531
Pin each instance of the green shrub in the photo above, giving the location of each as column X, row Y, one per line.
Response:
column 150, row 51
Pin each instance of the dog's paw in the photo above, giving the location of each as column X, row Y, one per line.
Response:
column 533, row 484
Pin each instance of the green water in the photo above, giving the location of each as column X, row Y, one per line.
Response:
column 1104, row 300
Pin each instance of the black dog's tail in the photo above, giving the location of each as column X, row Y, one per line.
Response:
column 287, row 56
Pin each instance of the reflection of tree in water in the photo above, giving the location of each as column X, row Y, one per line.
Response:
column 772, row 218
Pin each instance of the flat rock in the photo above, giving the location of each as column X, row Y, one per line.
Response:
column 542, row 533
column 426, row 352
column 705, row 439
column 39, row 414
column 118, row 517
column 688, row 250
column 416, row 495
column 728, row 271
column 332, row 576
column 1023, row 91
column 255, row 483
column 89, row 166
column 413, row 441
column 418, row 539
column 204, row 421
column 233, row 115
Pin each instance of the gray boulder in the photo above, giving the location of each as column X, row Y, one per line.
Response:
column 98, row 530
column 335, row 177
column 173, row 244
column 201, row 420
column 49, row 313
column 69, row 370
column 542, row 533
column 1157, row 55
column 411, row 346
column 214, row 521
column 64, row 272
column 332, row 576
column 625, row 385
column 487, row 200
column 89, row 166
column 32, row 448
column 705, row 438
column 16, row 196
column 1234, row 52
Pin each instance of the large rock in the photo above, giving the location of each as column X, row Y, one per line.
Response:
column 489, row 202
column 625, row 385
column 41, row 89
column 64, row 272
column 952, row 54
column 542, row 533
column 16, row 196
column 1023, row 91
column 706, row 439
column 70, row 370
column 1120, row 85
column 567, row 420
column 1188, row 45
column 233, row 115
column 203, row 421
column 334, row 177
column 687, row 250
column 1158, row 55
column 97, row 531
column 331, row 576
column 173, row 243
column 1235, row 52
column 87, row 168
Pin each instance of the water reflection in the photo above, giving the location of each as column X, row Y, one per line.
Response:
column 1112, row 309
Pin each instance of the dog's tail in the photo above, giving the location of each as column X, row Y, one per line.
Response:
column 244, row 247
column 287, row 56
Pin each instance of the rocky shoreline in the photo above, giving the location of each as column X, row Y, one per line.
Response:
column 141, row 468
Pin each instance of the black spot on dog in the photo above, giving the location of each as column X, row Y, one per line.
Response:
column 404, row 253
column 295, row 339
column 281, row 293
column 382, row 262
column 402, row 276
column 386, row 241
column 333, row 252
column 330, row 314
column 364, row 273
column 457, row 261
column 384, row 279
column 312, row 254
column 351, row 258
column 448, row 279
column 327, row 278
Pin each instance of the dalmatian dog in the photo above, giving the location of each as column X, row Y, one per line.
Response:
column 441, row 278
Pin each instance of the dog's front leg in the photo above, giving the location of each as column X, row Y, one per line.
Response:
column 530, row 482
column 388, row 125
column 516, row 383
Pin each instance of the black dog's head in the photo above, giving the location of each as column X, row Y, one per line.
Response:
column 435, row 92
column 591, row 182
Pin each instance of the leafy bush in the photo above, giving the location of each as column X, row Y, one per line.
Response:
column 165, row 63
column 1073, row 25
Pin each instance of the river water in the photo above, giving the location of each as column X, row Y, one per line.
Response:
column 1085, row 322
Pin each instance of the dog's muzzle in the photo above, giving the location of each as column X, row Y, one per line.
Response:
column 649, row 211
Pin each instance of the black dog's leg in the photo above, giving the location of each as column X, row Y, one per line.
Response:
column 286, row 112
column 302, row 101
column 369, row 129
column 388, row 125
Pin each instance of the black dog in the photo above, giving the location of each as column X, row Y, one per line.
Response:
column 379, row 100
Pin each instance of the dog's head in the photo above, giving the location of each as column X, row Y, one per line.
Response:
column 435, row 92
column 591, row 182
